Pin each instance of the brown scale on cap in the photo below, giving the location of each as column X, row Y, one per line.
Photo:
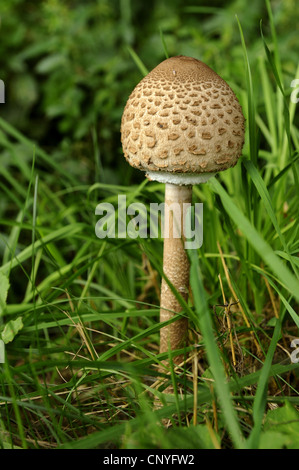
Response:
column 185, row 117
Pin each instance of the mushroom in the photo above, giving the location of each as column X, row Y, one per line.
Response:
column 181, row 125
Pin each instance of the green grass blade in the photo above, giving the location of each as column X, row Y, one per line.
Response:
column 261, row 393
column 164, row 44
column 58, row 234
column 138, row 61
column 256, row 241
column 13, row 132
column 206, row 327
column 265, row 196
column 251, row 104
column 279, row 84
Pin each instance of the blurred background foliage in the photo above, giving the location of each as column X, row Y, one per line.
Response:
column 68, row 69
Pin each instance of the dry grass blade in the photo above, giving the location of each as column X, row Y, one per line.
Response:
column 258, row 348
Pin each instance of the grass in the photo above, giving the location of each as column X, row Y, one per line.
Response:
column 79, row 315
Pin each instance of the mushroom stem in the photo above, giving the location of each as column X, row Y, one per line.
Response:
column 175, row 266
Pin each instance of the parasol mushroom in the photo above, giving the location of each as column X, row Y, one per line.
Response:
column 181, row 125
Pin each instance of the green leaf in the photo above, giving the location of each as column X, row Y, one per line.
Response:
column 50, row 63
column 193, row 437
column 273, row 440
column 11, row 329
column 282, row 425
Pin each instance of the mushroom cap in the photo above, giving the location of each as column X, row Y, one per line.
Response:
column 182, row 119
